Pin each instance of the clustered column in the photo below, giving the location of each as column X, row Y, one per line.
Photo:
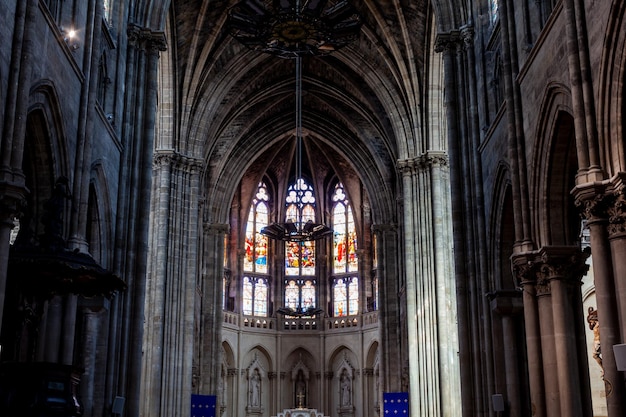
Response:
column 602, row 205
column 550, row 279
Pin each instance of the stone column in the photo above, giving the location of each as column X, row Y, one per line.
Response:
column 583, row 106
column 525, row 280
column 553, row 274
column 598, row 203
column 549, row 362
column 508, row 305
column 448, row 45
column 211, row 315
column 431, row 295
column 617, row 239
column 12, row 199
column 86, row 113
column 92, row 318
column 564, row 268
column 145, row 45
column 156, row 311
column 389, row 311
column 12, row 185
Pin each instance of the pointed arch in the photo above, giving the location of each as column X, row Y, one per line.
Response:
column 555, row 217
column 612, row 92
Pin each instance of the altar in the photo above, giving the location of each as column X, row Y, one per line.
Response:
column 300, row 412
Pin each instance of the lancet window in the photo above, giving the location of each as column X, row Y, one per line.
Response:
column 255, row 280
column 300, row 283
column 255, row 292
column 345, row 259
column 255, row 257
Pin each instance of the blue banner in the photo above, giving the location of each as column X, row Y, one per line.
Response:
column 203, row 405
column 396, row 403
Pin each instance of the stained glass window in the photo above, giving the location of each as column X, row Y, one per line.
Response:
column 345, row 260
column 344, row 234
column 255, row 256
column 300, row 292
column 346, row 296
column 255, row 296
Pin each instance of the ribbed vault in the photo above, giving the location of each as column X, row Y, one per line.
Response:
column 362, row 104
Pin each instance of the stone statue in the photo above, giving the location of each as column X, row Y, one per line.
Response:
column 255, row 389
column 345, row 387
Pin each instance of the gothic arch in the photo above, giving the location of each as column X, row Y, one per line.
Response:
column 555, row 217
column 612, row 92
column 503, row 231
column 100, row 216
column 45, row 151
column 258, row 354
column 44, row 98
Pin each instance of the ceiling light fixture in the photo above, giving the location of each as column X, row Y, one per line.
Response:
column 294, row 28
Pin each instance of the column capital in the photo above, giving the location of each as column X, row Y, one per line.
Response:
column 604, row 201
column 407, row 166
column 467, row 35
column 423, row 162
column 539, row 268
column 447, row 41
column 146, row 39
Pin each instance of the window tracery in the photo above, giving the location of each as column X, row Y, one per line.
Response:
column 300, row 286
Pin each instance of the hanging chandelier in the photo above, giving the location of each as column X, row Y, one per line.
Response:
column 294, row 28
column 299, row 226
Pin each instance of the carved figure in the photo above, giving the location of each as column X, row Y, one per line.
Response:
column 255, row 389
column 345, row 386
column 594, row 325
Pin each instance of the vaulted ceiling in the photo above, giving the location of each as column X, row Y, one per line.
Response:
column 364, row 106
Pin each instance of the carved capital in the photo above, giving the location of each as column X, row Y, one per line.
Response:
column 467, row 34
column 616, row 213
column 539, row 268
column 176, row 160
column 604, row 201
column 447, row 42
column 407, row 166
column 146, row 39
